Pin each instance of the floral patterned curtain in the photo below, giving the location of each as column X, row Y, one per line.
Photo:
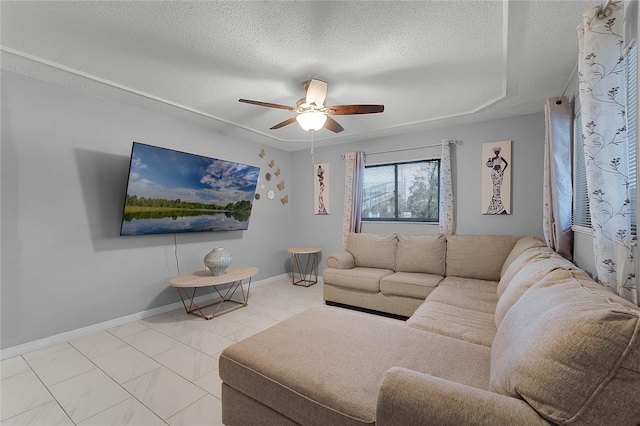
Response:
column 603, row 106
column 353, row 184
column 446, row 224
column 558, row 191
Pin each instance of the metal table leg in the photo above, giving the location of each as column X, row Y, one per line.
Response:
column 310, row 269
column 194, row 309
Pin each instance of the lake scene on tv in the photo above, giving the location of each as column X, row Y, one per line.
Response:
column 170, row 191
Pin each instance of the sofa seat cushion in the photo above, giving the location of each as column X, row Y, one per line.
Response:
column 447, row 320
column 367, row 279
column 470, row 284
column 373, row 251
column 421, row 253
column 475, row 300
column 571, row 349
column 332, row 374
column 478, row 256
column 409, row 284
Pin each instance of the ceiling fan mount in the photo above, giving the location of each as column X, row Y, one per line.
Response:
column 313, row 112
column 303, row 106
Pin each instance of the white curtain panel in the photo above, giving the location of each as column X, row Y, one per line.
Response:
column 558, row 191
column 603, row 106
column 446, row 225
column 353, row 185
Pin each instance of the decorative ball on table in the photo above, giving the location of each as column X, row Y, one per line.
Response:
column 218, row 260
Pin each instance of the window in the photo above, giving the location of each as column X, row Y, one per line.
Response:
column 407, row 192
column 581, row 214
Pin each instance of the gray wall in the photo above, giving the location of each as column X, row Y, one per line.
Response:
column 526, row 133
column 65, row 157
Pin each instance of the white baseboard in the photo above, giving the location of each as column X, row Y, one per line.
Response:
column 80, row 332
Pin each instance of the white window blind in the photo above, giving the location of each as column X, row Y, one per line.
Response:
column 581, row 214
column 632, row 126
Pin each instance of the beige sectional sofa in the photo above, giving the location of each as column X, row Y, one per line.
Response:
column 510, row 334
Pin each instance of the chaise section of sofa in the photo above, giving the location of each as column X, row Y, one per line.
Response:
column 325, row 366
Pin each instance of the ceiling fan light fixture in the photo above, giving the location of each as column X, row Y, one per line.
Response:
column 312, row 120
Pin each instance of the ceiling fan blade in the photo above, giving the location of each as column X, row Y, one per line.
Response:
column 333, row 125
column 316, row 92
column 284, row 123
column 266, row 104
column 355, row 109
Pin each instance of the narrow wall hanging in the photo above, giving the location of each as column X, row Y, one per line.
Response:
column 496, row 177
column 321, row 188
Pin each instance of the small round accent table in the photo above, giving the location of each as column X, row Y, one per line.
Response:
column 203, row 278
column 311, row 267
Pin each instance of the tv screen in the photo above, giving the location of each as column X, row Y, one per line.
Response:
column 170, row 191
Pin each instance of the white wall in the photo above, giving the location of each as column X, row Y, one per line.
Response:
column 65, row 158
column 527, row 134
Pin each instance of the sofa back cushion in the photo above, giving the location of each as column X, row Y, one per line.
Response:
column 421, row 253
column 373, row 251
column 520, row 262
column 571, row 350
column 547, row 268
column 478, row 256
column 523, row 244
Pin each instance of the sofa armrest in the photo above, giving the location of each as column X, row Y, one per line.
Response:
column 341, row 260
column 408, row 397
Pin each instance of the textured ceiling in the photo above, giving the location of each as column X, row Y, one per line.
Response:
column 429, row 63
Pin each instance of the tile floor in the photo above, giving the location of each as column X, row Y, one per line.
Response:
column 157, row 371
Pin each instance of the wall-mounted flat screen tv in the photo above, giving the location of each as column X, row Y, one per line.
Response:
column 170, row 191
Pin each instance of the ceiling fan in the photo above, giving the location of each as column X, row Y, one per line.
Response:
column 313, row 112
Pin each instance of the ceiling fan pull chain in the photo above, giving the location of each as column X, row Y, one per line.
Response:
column 313, row 133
